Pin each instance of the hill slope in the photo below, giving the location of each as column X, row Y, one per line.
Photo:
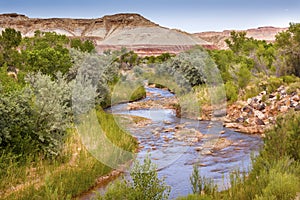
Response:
column 110, row 32
column 262, row 33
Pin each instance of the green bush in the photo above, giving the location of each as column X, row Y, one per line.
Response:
column 293, row 87
column 281, row 185
column 289, row 79
column 273, row 84
column 145, row 184
column 244, row 76
column 231, row 91
column 284, row 138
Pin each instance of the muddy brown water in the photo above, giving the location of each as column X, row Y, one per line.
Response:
column 175, row 159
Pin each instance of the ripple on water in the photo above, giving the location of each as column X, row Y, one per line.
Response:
column 175, row 159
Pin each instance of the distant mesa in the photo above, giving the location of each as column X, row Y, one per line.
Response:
column 129, row 30
column 266, row 33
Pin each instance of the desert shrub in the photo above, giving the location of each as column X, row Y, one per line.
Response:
column 273, row 84
column 8, row 83
column 289, row 79
column 293, row 87
column 244, row 76
column 17, row 124
column 284, row 138
column 200, row 184
column 231, row 91
column 145, row 184
column 280, row 186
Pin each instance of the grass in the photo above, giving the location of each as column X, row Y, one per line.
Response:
column 63, row 178
column 127, row 91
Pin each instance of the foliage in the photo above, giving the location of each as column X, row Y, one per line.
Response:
column 9, row 83
column 51, row 105
column 9, row 41
column 231, row 91
column 48, row 60
column 288, row 45
column 189, row 69
column 92, row 70
column 59, row 178
column 244, row 76
column 34, row 120
column 17, row 124
column 84, row 46
column 202, row 185
column 10, row 38
column 145, row 184
column 284, row 138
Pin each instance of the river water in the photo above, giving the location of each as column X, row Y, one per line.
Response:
column 175, row 158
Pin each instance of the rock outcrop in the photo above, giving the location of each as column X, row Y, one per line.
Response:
column 110, row 32
column 259, row 113
column 218, row 38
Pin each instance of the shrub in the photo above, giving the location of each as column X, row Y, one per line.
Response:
column 284, row 138
column 244, row 76
column 231, row 91
column 273, row 84
column 145, row 184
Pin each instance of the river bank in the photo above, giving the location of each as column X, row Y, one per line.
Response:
column 176, row 144
column 255, row 115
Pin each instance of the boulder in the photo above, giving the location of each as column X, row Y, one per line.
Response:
column 297, row 108
column 261, row 106
column 259, row 122
column 259, row 114
column 283, row 109
column 221, row 144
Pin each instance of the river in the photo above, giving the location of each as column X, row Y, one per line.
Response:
column 175, row 156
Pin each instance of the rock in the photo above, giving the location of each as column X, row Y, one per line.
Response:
column 240, row 120
column 294, row 104
column 222, row 132
column 167, row 122
column 271, row 96
column 179, row 126
column 206, row 152
column 188, row 135
column 222, row 143
column 247, row 109
column 261, row 106
column 263, row 93
column 297, row 108
column 259, row 122
column 168, row 130
column 198, row 148
column 295, row 98
column 259, row 114
column 199, row 118
column 283, row 109
column 249, row 101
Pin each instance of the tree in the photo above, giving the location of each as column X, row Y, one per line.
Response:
column 288, row 45
column 86, row 46
column 9, row 40
column 51, row 111
column 48, row 60
column 236, row 41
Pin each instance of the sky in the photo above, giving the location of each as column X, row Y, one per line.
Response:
column 188, row 15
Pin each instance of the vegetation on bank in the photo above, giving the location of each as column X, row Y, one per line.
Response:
column 48, row 80
column 43, row 80
column 275, row 173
